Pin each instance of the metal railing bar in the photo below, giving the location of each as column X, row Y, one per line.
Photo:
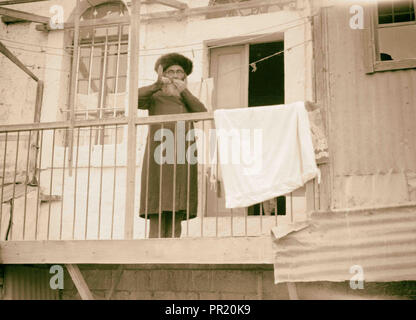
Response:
column 75, row 187
column 88, row 184
column 114, row 182
column 203, row 184
column 188, row 183
column 160, row 188
column 3, row 178
column 174, row 179
column 38, row 186
column 101, row 187
column 26, row 182
column 14, row 185
column 50, row 184
column 63, row 189
column 217, row 188
column 147, row 183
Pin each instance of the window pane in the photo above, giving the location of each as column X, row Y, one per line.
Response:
column 397, row 41
column 402, row 6
column 111, row 66
column 111, row 84
column 84, row 67
column 395, row 11
column 121, row 84
column 97, row 67
column 385, row 8
column 122, row 65
column 83, row 86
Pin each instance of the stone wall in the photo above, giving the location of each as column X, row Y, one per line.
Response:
column 207, row 282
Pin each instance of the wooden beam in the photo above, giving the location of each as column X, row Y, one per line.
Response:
column 132, row 114
column 172, row 3
column 11, row 15
column 116, row 281
column 212, row 9
column 9, row 2
column 79, row 282
column 73, row 87
column 16, row 61
column 225, row 250
column 166, row 15
column 34, row 144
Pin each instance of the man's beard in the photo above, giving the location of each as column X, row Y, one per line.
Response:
column 170, row 90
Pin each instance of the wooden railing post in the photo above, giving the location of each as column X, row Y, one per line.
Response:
column 131, row 138
column 73, row 89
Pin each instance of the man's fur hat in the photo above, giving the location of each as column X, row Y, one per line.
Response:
column 171, row 59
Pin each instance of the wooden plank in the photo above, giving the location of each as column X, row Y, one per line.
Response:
column 9, row 2
column 16, row 61
column 116, row 281
column 293, row 294
column 79, row 282
column 11, row 15
column 189, row 12
column 73, row 88
column 172, row 3
column 395, row 65
column 226, row 250
column 34, row 144
column 322, row 96
column 196, row 116
column 131, row 130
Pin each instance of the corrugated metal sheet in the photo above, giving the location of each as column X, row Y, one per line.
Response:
column 372, row 116
column 28, row 283
column 382, row 242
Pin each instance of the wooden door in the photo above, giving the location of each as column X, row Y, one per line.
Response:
column 229, row 68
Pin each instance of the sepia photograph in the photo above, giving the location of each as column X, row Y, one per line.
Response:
column 207, row 154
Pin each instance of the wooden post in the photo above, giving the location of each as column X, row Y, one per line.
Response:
column 293, row 294
column 79, row 282
column 16, row 61
column 34, row 146
column 73, row 93
column 133, row 100
column 323, row 98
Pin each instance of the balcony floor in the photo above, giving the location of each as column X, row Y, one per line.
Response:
column 225, row 250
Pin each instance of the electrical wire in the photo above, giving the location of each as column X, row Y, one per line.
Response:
column 168, row 47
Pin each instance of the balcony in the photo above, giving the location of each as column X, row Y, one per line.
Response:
column 63, row 204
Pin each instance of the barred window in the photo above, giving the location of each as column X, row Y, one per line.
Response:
column 102, row 71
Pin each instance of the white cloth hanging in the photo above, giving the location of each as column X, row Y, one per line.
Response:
column 264, row 152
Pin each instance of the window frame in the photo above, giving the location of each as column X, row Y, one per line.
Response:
column 372, row 64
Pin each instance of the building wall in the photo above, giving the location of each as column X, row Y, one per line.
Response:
column 218, row 282
column 371, row 120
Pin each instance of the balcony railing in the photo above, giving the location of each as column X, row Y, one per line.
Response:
column 47, row 194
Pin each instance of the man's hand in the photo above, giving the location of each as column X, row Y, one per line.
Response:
column 179, row 84
column 161, row 80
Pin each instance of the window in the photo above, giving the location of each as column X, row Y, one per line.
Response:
column 392, row 33
column 237, row 86
column 102, row 72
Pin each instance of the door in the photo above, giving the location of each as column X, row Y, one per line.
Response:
column 229, row 68
column 237, row 85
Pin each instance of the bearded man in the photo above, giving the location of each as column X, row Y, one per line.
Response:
column 167, row 203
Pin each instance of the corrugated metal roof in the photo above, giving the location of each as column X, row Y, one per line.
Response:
column 28, row 283
column 382, row 242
